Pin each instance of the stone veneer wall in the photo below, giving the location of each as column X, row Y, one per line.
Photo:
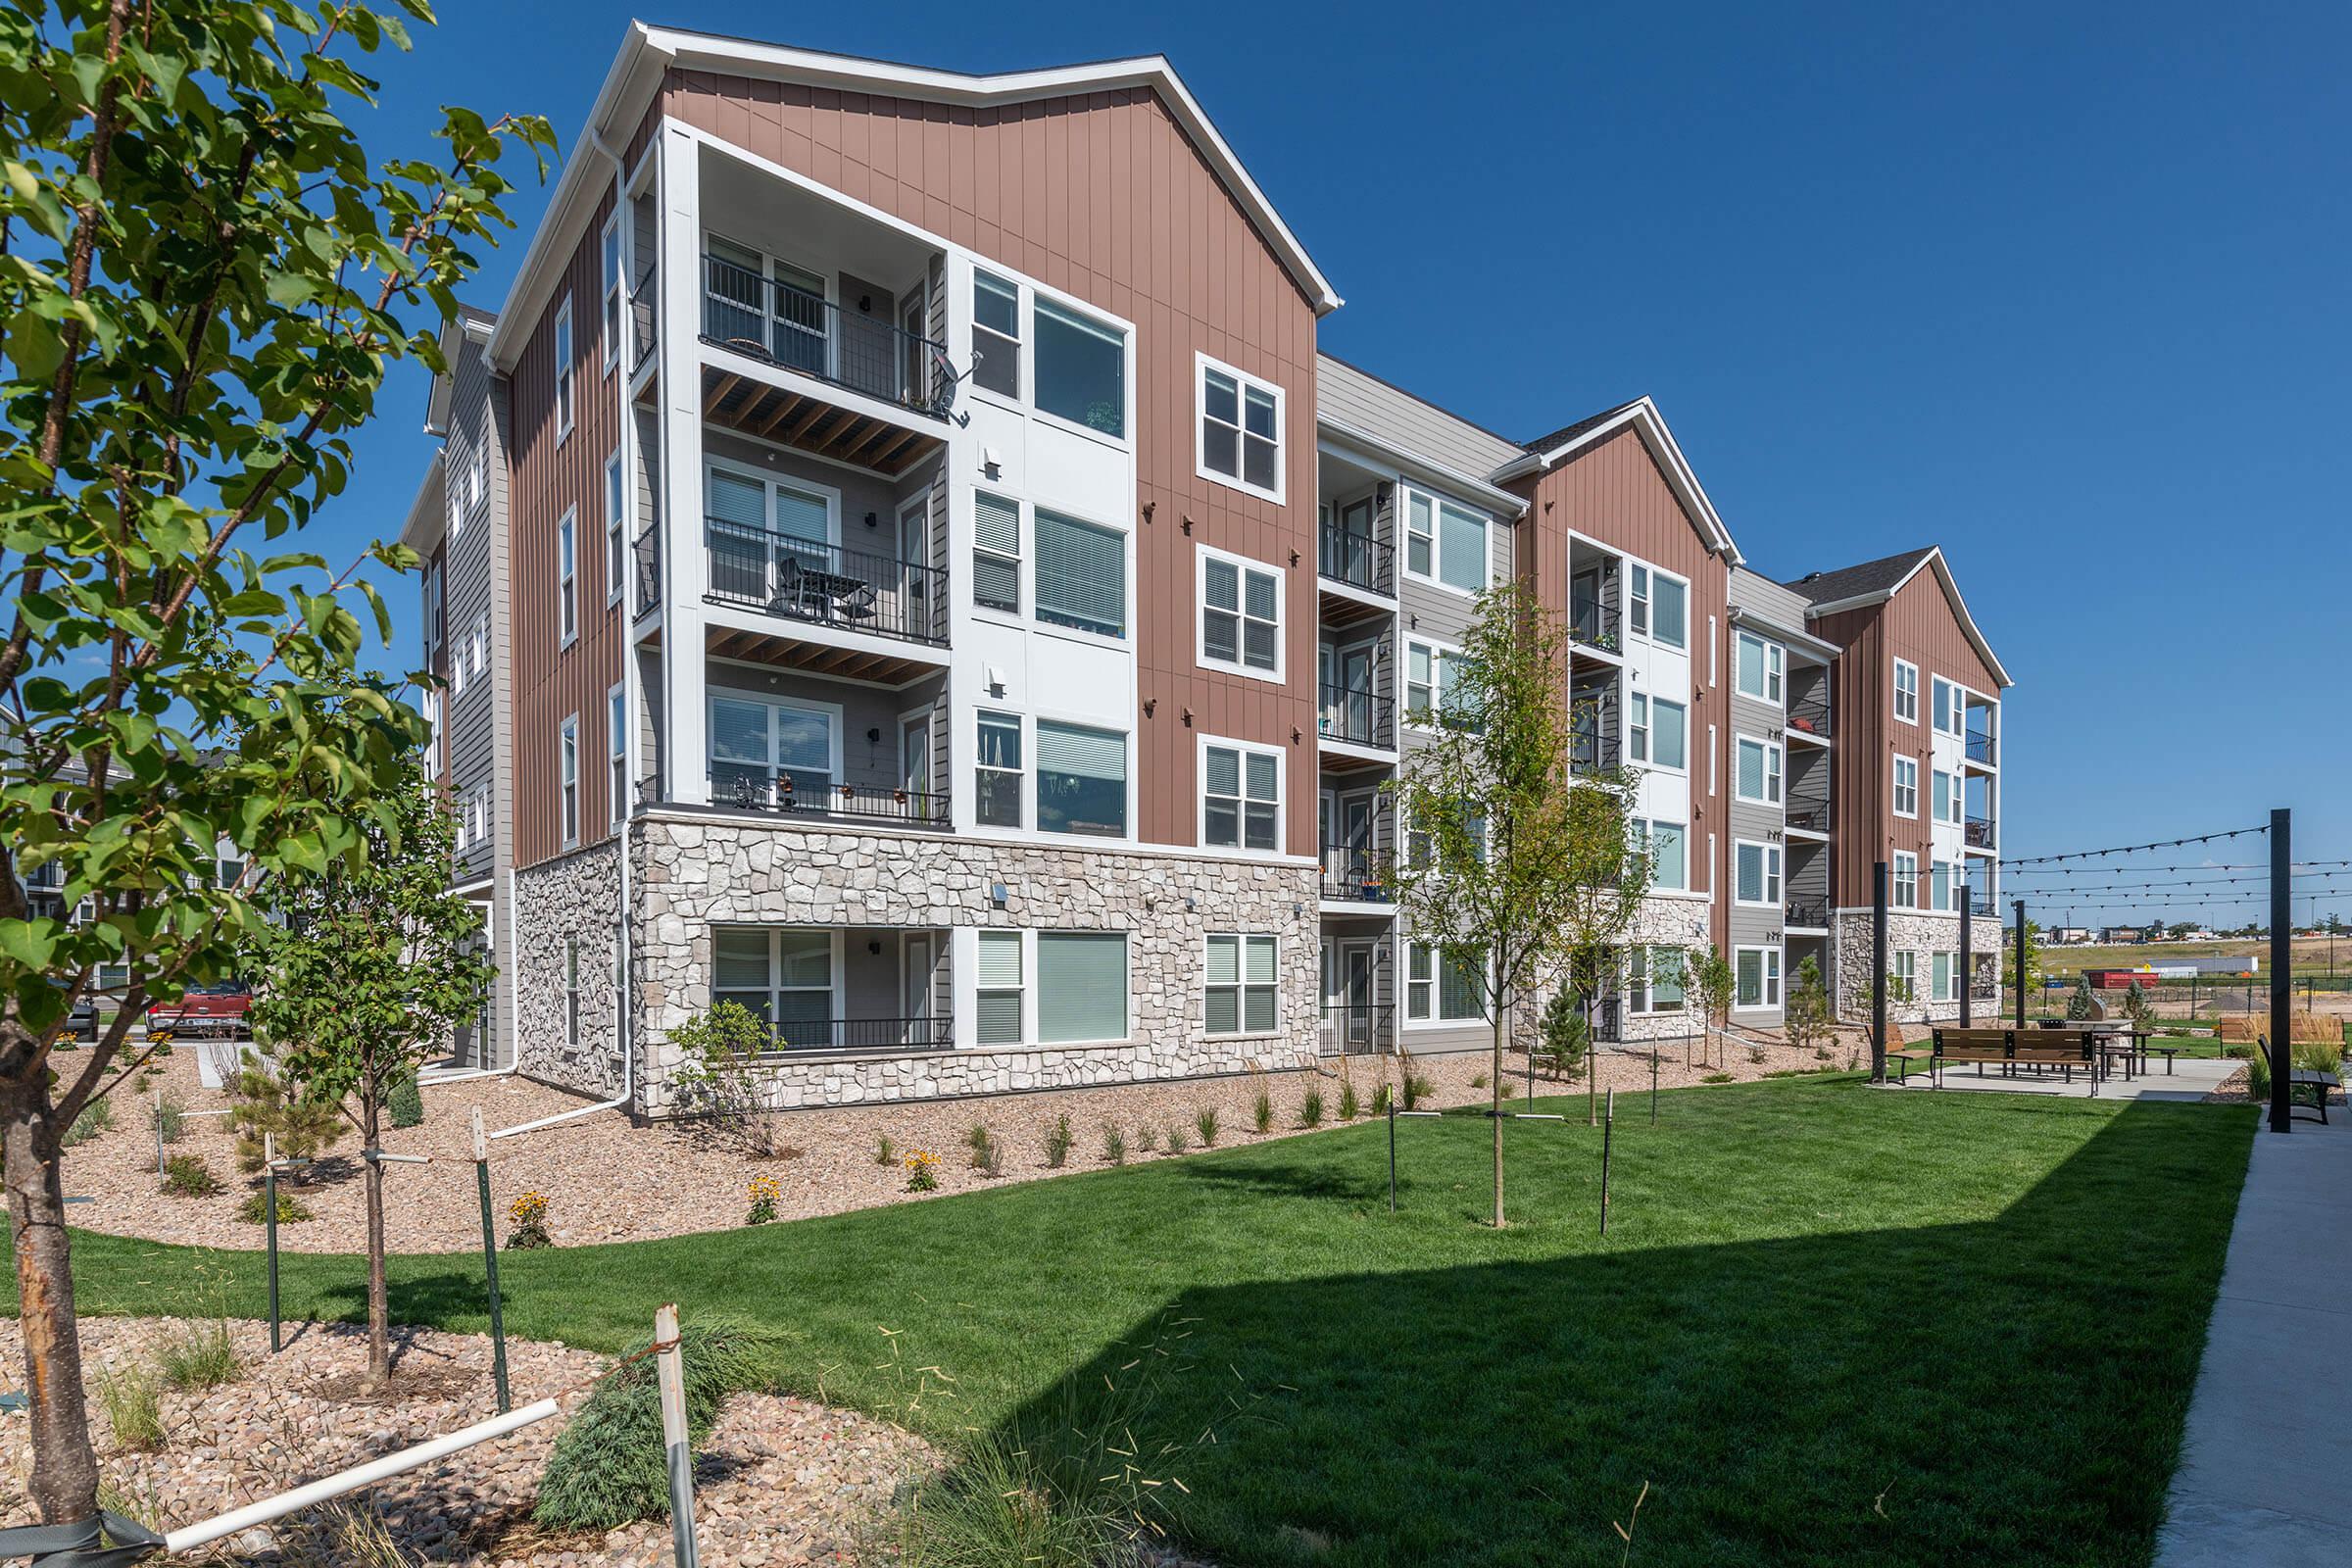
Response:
column 1676, row 922
column 691, row 874
column 1923, row 934
column 574, row 899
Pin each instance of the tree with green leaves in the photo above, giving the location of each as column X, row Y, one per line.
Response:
column 370, row 965
column 2080, row 1004
column 1808, row 1018
column 1507, row 856
column 203, row 283
column 1708, row 975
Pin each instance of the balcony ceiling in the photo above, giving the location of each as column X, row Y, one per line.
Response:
column 812, row 424
column 782, row 649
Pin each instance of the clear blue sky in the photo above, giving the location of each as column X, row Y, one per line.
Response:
column 2060, row 288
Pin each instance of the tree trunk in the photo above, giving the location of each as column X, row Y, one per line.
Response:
column 1495, row 1120
column 64, row 1470
column 379, row 1306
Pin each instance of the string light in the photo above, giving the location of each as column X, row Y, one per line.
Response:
column 2135, row 849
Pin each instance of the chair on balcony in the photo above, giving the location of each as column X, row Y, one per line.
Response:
column 799, row 594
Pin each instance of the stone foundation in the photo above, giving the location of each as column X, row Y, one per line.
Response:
column 577, row 898
column 1923, row 934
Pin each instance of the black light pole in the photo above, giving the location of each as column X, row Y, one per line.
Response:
column 2283, row 951
column 1877, row 972
column 1968, row 964
column 2021, row 963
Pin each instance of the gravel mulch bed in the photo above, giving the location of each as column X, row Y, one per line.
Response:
column 783, row 1482
column 607, row 1181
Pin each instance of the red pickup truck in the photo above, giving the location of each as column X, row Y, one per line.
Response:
column 216, row 1010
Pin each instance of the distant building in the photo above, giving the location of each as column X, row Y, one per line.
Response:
column 2063, row 934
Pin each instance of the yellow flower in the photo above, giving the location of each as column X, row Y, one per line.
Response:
column 528, row 1209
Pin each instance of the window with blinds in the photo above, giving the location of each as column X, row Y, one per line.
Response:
column 1241, row 797
column 1241, row 614
column 1081, row 370
column 1240, row 990
column 995, row 553
column 998, row 1006
column 1081, row 986
column 759, row 745
column 1081, row 780
column 1081, row 574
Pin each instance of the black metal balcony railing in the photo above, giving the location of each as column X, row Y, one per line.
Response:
column 802, row 331
column 1592, row 745
column 1807, row 813
column 1355, row 1030
column 1357, row 560
column 864, row 1034
column 647, row 552
column 643, row 319
column 1352, row 874
column 1982, row 904
column 1810, row 717
column 1357, row 717
column 1979, row 832
column 1809, row 914
column 801, row 579
column 1592, row 624
column 751, row 788
column 1980, row 748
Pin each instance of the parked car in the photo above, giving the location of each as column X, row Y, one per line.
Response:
column 82, row 1022
column 217, row 1010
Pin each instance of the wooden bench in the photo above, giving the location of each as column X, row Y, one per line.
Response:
column 2011, row 1049
column 1902, row 1052
column 2318, row 1084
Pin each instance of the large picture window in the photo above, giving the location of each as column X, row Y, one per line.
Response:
column 768, row 752
column 1241, row 989
column 1081, row 574
column 1757, row 777
column 1758, row 667
column 1081, row 986
column 1756, row 978
column 1656, row 984
column 1437, row 990
column 1669, row 734
column 1444, row 543
column 1081, row 368
column 781, row 976
column 1241, row 429
column 1081, row 780
column 1666, row 846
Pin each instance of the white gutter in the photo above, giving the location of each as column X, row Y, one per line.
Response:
column 628, row 739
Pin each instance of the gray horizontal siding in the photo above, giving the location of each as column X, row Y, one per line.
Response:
column 1350, row 397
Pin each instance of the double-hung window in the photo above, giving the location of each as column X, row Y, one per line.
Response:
column 1081, row 574
column 1081, row 368
column 1903, row 976
column 1757, row 777
column 616, row 544
column 611, row 280
column 1081, row 780
column 1240, row 990
column 1662, row 732
column 477, row 646
column 616, row 748
column 1081, row 986
column 1906, row 786
column 1941, row 883
column 1905, row 893
column 1942, row 966
column 1758, row 667
column 1656, row 984
column 1637, row 728
column 1437, row 989
column 1945, row 706
column 996, row 334
column 1637, row 603
column 1946, row 795
column 996, row 772
column 1756, row 873
column 1756, row 978
column 997, row 1003
column 566, row 392
column 1429, row 675
column 1241, row 614
column 769, row 751
column 781, row 976
column 567, row 577
column 1240, row 796
column 567, row 778
column 1906, row 692
column 995, row 551
column 1667, row 844
column 1241, row 429
column 1444, row 543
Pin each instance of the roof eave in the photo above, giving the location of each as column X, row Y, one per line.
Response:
column 1411, row 464
column 1643, row 416
column 421, row 530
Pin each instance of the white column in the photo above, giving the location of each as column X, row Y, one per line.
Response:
column 685, row 568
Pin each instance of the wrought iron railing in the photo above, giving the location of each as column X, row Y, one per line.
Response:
column 1982, row 748
column 802, row 331
column 1981, row 902
column 794, row 1035
column 1608, row 1022
column 751, row 788
column 1357, row 717
column 1356, row 1031
column 1810, row 717
column 1807, row 813
column 644, row 319
column 1352, row 875
column 1357, row 560
column 648, row 552
column 784, row 574
column 1592, row 623
column 1593, row 743
column 1979, row 832
column 1810, row 914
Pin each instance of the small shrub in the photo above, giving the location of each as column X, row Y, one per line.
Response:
column 1381, row 1098
column 1349, row 1106
column 98, row 1116
column 199, row 1356
column 1262, row 1109
column 886, row 1153
column 1058, row 1139
column 2237, row 1051
column 1821, row 1053
column 1509, row 1090
column 1115, row 1145
column 255, row 1210
column 1417, row 1088
column 529, row 1214
column 2258, row 1075
column 989, row 1160
column 170, row 1119
column 1178, row 1143
column 764, row 1190
column 922, row 1171
column 1716, row 1078
column 1755, row 1056
column 979, row 1144
column 1147, row 1139
column 720, row 1076
column 1310, row 1109
column 403, row 1102
column 301, row 1128
column 186, row 1176
column 2319, row 1055
column 132, row 1398
column 1478, row 1080
column 1206, row 1119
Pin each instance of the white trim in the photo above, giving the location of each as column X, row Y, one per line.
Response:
column 611, row 280
column 1894, row 880
column 1438, row 650
column 1036, row 978
column 1772, row 975
column 1772, row 869
column 1895, row 790
column 714, row 692
column 568, row 579
column 568, row 751
column 714, row 464
column 617, row 530
column 1243, row 383
column 563, row 348
column 616, row 749
column 1774, row 770
column 1896, row 688
column 1776, row 668
column 1241, row 984
column 1246, row 750
column 1643, row 416
column 1202, row 555
column 1401, row 528
column 1952, row 590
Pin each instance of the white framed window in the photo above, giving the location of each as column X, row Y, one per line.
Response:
column 1079, row 367
column 1655, row 981
column 1081, row 987
column 1429, row 672
column 997, row 774
column 1241, row 614
column 1756, row 873
column 1241, row 796
column 1906, row 786
column 1081, row 780
column 1657, row 732
column 568, row 776
column 1906, row 692
column 995, row 335
column 784, row 976
column 1755, row 979
column 1756, row 668
column 477, row 475
column 1081, row 574
column 1669, row 608
column 1756, row 773
column 1240, row 992
column 1941, row 880
column 1637, row 728
column 1946, row 795
column 1241, row 429
column 1941, row 967
column 477, row 645
column 616, row 544
column 481, row 814
column 772, row 751
column 616, row 749
column 567, row 577
column 1437, row 990
column 1903, row 893
column 995, row 551
column 1903, row 970
column 610, row 254
column 434, row 608
column 1945, row 707
column 1667, row 844
column 571, row 991
column 457, row 674
column 565, row 391
column 997, row 1004
column 1446, row 543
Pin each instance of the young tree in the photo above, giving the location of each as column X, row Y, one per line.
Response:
column 2082, row 1005
column 1708, row 974
column 1505, row 851
column 1808, row 1017
column 203, row 282
column 376, row 961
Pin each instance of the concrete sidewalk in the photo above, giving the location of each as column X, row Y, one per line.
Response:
column 2266, row 1470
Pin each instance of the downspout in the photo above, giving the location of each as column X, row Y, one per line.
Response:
column 629, row 742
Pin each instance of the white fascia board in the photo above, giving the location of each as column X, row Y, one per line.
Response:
column 428, row 510
column 1951, row 592
column 1643, row 416
column 1411, row 464
column 1819, row 647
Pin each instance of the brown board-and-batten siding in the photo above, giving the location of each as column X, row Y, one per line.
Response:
column 550, row 475
column 1103, row 196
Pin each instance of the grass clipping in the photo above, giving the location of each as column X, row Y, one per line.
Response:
column 609, row 1467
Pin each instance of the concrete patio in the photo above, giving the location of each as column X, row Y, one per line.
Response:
column 2191, row 1079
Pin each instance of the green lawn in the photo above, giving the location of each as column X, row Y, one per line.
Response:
column 1826, row 1327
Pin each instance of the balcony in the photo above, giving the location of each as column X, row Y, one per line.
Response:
column 1977, row 833
column 647, row 551
column 1981, row 749
column 1982, row 904
column 1809, row 717
column 1593, row 733
column 1354, row 1031
column 845, row 1036
column 1809, row 913
column 1806, row 814
column 1353, row 716
column 1349, row 876
column 825, row 585
column 1356, row 560
column 796, row 328
column 751, row 788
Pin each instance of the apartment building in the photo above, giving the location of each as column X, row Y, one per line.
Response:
column 899, row 561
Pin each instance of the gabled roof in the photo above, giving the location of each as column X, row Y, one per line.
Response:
column 1642, row 415
column 648, row 51
column 1873, row 582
